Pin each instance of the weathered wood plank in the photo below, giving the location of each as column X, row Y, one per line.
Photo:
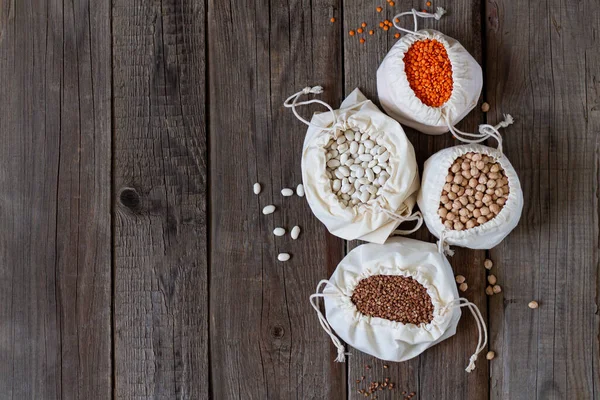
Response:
column 55, row 115
column 543, row 67
column 160, row 185
column 449, row 358
column 266, row 341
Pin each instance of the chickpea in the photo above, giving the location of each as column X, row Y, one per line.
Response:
column 495, row 168
column 458, row 226
column 452, row 196
column 448, row 224
column 450, row 216
column 449, row 178
column 497, row 289
column 442, row 212
column 483, row 179
column 455, row 167
column 471, row 223
column 444, row 198
column 463, row 200
column 460, row 279
column 484, row 210
column 476, row 157
column 455, row 188
column 491, row 184
column 479, row 204
column 447, row 187
column 480, row 165
column 474, row 172
column 481, row 220
column 492, row 279
column 463, row 212
column 476, row 213
column 495, row 208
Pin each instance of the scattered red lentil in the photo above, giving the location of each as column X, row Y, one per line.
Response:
column 379, row 9
column 424, row 10
column 397, row 36
column 387, row 22
column 364, row 24
column 392, row 3
column 429, row 72
column 381, row 24
column 371, row 32
column 428, row 4
column 351, row 33
column 397, row 20
column 362, row 40
column 359, row 30
column 332, row 19
column 386, row 28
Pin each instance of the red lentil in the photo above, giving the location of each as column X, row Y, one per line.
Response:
column 371, row 32
column 386, row 28
column 429, row 72
column 428, row 4
column 332, row 19
column 364, row 24
column 352, row 33
column 392, row 3
column 379, row 9
column 361, row 40
column 359, row 30
column 397, row 36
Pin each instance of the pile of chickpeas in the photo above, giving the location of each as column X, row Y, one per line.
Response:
column 475, row 191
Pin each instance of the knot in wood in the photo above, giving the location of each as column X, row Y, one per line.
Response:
column 129, row 198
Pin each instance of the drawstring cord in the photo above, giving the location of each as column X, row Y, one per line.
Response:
column 486, row 131
column 314, row 299
column 416, row 216
column 437, row 15
column 481, row 327
column 314, row 90
column 443, row 246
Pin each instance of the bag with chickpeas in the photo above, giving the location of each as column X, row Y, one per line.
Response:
column 428, row 80
column 470, row 194
column 393, row 301
column 359, row 170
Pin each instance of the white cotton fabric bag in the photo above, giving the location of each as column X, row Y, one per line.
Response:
column 382, row 338
column 379, row 218
column 399, row 100
column 489, row 234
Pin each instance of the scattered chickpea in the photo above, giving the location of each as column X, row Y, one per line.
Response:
column 460, row 279
column 485, row 107
column 490, row 355
column 488, row 264
column 533, row 304
column 463, row 287
column 379, row 9
column 352, row 33
column 489, row 290
column 497, row 289
column 362, row 40
column 332, row 20
column 492, row 279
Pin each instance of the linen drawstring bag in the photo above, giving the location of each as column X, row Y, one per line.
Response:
column 364, row 190
column 436, row 168
column 384, row 338
column 399, row 100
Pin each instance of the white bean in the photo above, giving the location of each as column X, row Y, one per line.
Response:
column 343, row 158
column 343, row 147
column 353, row 147
column 344, row 170
column 377, row 169
column 372, row 163
column 361, row 149
column 365, row 157
column 364, row 137
column 384, row 156
column 300, row 190
column 295, row 232
column 339, row 174
column 337, row 185
column 346, row 188
column 360, row 172
column 357, row 136
column 370, row 174
column 287, row 192
column 333, row 163
column 372, row 189
column 257, row 188
column 369, row 144
column 364, row 197
column 269, row 209
column 283, row 257
column 340, row 140
column 278, row 231
column 349, row 135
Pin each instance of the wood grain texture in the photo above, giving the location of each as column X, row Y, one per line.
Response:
column 422, row 374
column 55, row 268
column 266, row 341
column 543, row 68
column 160, row 188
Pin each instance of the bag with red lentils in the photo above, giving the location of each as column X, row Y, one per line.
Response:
column 393, row 301
column 359, row 170
column 428, row 80
column 470, row 194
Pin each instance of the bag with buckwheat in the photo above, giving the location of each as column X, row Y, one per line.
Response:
column 470, row 194
column 393, row 301
column 359, row 170
column 428, row 80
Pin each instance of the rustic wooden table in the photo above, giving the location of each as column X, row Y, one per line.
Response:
column 135, row 262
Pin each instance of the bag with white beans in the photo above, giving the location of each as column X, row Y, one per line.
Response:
column 470, row 194
column 409, row 277
column 409, row 107
column 359, row 170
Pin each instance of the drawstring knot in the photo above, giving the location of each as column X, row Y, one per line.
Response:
column 314, row 90
column 438, row 13
column 443, row 246
column 341, row 351
column 471, row 365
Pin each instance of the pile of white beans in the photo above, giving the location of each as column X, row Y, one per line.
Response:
column 357, row 166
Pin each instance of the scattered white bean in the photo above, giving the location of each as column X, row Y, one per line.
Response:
column 300, row 190
column 269, row 209
column 295, row 232
column 287, row 192
column 257, row 188
column 278, row 231
column 283, row 257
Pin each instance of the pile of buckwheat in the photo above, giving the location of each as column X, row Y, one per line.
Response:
column 475, row 191
column 357, row 166
column 394, row 297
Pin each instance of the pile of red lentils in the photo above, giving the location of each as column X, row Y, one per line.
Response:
column 393, row 297
column 475, row 191
column 429, row 72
